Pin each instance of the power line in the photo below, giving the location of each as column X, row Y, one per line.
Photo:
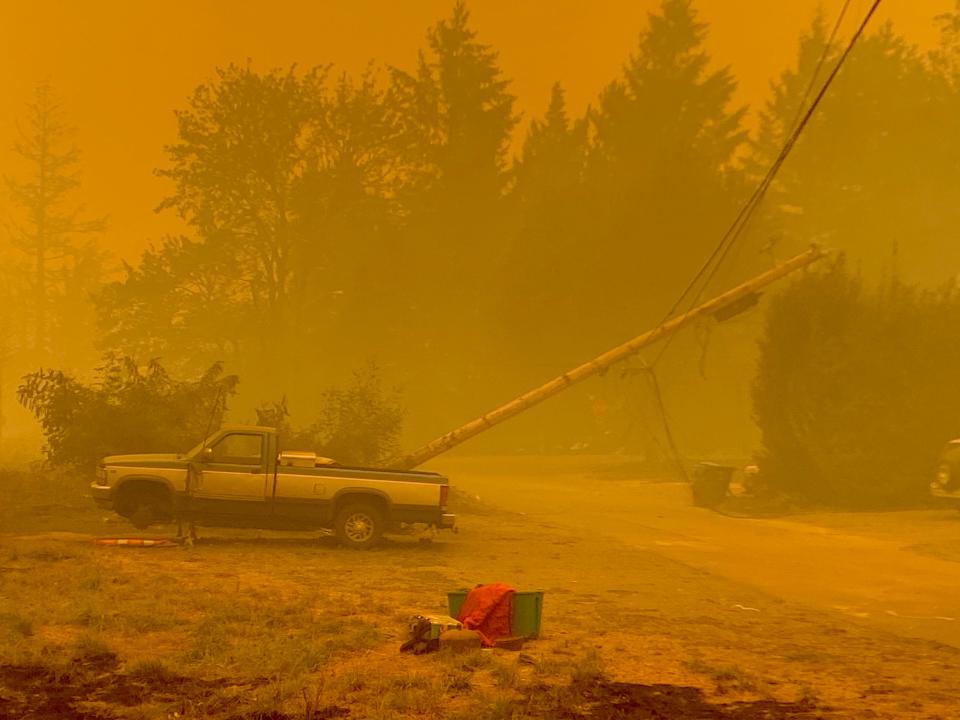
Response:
column 828, row 46
column 719, row 253
column 733, row 232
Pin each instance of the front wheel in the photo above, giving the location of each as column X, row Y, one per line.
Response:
column 145, row 505
column 359, row 525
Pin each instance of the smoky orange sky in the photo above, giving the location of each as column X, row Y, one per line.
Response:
column 121, row 67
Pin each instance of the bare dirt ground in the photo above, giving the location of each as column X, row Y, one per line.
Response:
column 653, row 609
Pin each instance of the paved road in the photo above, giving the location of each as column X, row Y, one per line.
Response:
column 880, row 568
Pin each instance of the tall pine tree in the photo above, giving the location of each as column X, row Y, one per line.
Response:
column 660, row 168
column 52, row 224
column 874, row 172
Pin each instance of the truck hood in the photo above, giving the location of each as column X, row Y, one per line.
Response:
column 146, row 460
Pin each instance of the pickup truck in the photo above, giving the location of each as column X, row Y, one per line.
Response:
column 238, row 477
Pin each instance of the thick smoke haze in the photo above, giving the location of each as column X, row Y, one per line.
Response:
column 570, row 175
column 121, row 68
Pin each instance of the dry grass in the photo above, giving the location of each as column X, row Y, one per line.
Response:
column 248, row 624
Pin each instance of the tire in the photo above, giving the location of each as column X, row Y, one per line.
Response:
column 359, row 525
column 144, row 506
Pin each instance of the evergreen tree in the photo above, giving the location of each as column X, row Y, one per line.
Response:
column 874, row 172
column 660, row 170
column 457, row 115
column 543, row 288
column 52, row 222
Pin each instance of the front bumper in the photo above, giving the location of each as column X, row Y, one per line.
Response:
column 946, row 484
column 938, row 491
column 102, row 496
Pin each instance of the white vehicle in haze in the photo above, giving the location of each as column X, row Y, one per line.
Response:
column 240, row 478
column 947, row 482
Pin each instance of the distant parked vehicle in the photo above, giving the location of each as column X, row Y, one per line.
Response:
column 947, row 482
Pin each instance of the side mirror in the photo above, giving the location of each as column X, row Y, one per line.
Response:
column 206, row 455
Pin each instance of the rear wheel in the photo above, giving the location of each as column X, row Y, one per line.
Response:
column 359, row 525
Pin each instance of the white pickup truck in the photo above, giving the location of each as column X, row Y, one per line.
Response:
column 238, row 477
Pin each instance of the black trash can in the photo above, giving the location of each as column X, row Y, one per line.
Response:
column 710, row 483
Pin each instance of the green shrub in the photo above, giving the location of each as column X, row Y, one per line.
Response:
column 856, row 389
column 125, row 409
column 358, row 425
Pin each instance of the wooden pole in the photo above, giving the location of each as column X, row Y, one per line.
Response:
column 600, row 363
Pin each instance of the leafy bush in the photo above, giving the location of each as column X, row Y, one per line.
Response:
column 125, row 409
column 856, row 389
column 358, row 425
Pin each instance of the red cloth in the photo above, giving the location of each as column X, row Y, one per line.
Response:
column 488, row 609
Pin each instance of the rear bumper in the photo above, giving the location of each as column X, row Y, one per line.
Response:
column 448, row 521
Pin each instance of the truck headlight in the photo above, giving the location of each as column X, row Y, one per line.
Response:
column 101, row 476
column 943, row 475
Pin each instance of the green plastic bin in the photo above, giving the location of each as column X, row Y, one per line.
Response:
column 527, row 608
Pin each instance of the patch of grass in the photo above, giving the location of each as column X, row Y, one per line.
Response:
column 587, row 671
column 91, row 650
column 353, row 636
column 465, row 661
column 210, row 641
column 505, row 674
column 90, row 617
column 728, row 678
column 282, row 655
column 414, row 693
column 485, row 707
column 153, row 672
column 92, row 582
column 457, row 682
column 49, row 553
column 347, row 607
column 17, row 625
column 352, row 681
column 808, row 696
column 141, row 622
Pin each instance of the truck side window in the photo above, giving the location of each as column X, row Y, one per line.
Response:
column 238, row 449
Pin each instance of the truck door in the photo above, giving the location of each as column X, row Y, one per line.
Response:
column 232, row 477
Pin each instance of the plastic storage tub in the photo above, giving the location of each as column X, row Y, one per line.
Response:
column 527, row 608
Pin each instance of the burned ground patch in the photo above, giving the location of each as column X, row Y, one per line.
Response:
column 622, row 701
column 89, row 688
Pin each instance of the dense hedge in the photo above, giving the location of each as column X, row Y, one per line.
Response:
column 857, row 389
column 125, row 409
column 131, row 409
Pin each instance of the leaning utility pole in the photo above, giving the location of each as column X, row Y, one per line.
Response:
column 601, row 363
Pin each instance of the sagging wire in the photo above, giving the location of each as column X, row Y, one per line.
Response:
column 709, row 268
